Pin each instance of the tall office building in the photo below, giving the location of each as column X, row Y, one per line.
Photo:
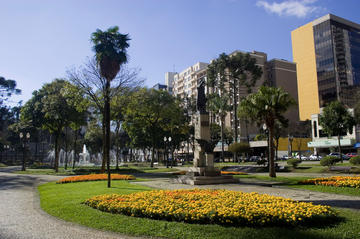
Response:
column 327, row 54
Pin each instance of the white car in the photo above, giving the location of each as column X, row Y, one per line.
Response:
column 314, row 157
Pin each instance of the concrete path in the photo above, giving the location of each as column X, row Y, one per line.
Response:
column 22, row 218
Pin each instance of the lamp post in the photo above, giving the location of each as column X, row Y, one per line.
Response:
column 24, row 139
column 267, row 141
column 167, row 141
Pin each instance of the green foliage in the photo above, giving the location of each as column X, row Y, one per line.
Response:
column 52, row 108
column 228, row 136
column 336, row 120
column 355, row 160
column 94, row 137
column 110, row 49
column 151, row 115
column 329, row 161
column 293, row 162
column 261, row 161
column 241, row 147
column 7, row 88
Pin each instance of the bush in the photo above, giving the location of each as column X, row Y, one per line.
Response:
column 329, row 161
column 261, row 161
column 293, row 162
column 239, row 148
column 355, row 160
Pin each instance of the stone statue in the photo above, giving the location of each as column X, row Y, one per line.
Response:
column 201, row 98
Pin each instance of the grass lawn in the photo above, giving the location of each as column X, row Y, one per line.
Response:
column 89, row 170
column 64, row 201
column 2, row 165
column 293, row 182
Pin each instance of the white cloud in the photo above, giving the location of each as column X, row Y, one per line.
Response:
column 297, row 8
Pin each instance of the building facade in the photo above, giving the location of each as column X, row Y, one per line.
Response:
column 276, row 73
column 327, row 54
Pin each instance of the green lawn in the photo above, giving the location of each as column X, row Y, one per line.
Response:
column 293, row 182
column 89, row 170
column 64, row 201
column 2, row 165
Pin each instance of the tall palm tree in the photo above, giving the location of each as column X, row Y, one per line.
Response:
column 266, row 107
column 110, row 49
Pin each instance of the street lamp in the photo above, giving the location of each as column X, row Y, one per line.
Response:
column 24, row 139
column 167, row 141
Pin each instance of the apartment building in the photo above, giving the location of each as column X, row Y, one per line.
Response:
column 276, row 73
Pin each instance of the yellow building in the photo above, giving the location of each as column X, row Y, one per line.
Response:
column 326, row 52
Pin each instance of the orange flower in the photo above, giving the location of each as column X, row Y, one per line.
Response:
column 95, row 177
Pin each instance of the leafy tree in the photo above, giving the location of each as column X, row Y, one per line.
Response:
column 7, row 88
column 93, row 137
column 230, row 73
column 50, row 110
column 336, row 120
column 266, row 107
column 90, row 80
column 219, row 104
column 151, row 115
column 228, row 136
column 238, row 148
column 119, row 104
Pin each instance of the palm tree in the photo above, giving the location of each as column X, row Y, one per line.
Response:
column 110, row 49
column 266, row 107
column 219, row 105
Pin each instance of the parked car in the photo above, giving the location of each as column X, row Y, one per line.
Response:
column 315, row 157
column 254, row 158
column 337, row 154
column 303, row 157
column 351, row 155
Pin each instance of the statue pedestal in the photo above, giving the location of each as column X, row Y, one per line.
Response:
column 203, row 171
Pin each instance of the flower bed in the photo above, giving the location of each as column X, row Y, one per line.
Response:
column 95, row 177
column 212, row 207
column 336, row 181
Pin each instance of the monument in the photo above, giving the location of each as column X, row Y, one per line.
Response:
column 203, row 170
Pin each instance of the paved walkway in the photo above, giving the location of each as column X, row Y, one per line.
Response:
column 22, row 218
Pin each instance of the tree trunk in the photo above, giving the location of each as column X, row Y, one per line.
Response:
column 222, row 140
column 104, row 139
column 56, row 144
column 23, row 168
column 341, row 158
column 74, row 157
column 106, row 156
column 152, row 157
column 271, row 153
column 277, row 147
column 235, row 116
column 66, row 149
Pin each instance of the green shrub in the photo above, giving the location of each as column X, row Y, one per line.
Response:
column 239, row 147
column 261, row 161
column 355, row 160
column 329, row 161
column 293, row 162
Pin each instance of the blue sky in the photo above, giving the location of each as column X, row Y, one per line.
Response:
column 41, row 40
